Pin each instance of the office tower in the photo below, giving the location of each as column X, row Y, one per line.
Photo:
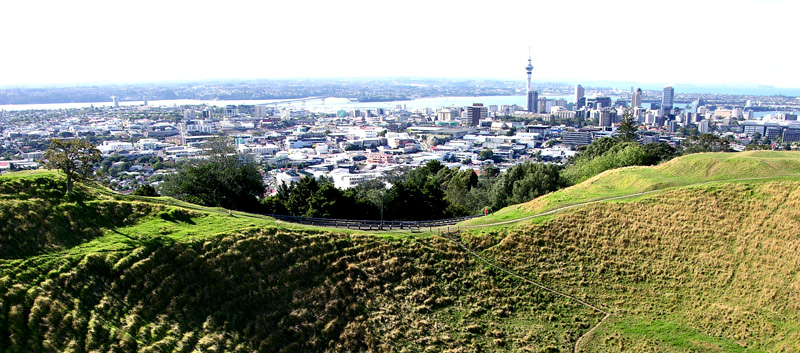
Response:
column 580, row 103
column 599, row 102
column 475, row 113
column 579, row 92
column 262, row 111
column 542, row 106
column 116, row 101
column 636, row 100
column 703, row 126
column 531, row 99
column 231, row 111
column 667, row 98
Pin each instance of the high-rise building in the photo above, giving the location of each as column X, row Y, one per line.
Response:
column 576, row 138
column 672, row 126
column 529, row 94
column 580, row 103
column 543, row 106
column 598, row 102
column 262, row 111
column 636, row 99
column 667, row 98
column 116, row 101
column 703, row 126
column 579, row 92
column 475, row 113
column 231, row 110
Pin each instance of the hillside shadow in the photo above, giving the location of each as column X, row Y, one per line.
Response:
column 33, row 227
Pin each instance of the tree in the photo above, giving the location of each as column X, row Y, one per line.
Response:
column 658, row 152
column 486, row 154
column 145, row 190
column 756, row 138
column 490, row 170
column 705, row 143
column 524, row 182
column 223, row 179
column 74, row 157
column 621, row 154
column 627, row 128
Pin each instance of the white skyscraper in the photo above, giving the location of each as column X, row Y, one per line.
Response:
column 636, row 99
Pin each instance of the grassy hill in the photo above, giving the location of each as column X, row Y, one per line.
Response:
column 682, row 171
column 697, row 267
column 118, row 273
column 701, row 268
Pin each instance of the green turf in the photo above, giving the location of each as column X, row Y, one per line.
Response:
column 708, row 263
column 686, row 170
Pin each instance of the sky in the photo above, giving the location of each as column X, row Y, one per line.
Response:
column 701, row 42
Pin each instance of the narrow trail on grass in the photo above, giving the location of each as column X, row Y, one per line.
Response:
column 452, row 238
column 580, row 339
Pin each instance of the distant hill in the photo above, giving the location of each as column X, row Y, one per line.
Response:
column 695, row 267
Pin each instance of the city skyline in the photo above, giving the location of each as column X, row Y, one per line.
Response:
column 96, row 42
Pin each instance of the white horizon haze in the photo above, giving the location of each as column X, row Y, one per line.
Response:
column 705, row 42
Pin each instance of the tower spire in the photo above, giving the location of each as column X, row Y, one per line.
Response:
column 530, row 95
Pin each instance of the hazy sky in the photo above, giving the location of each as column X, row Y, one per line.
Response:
column 678, row 41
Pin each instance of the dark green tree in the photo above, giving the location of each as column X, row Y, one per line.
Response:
column 658, row 152
column 223, row 179
column 75, row 157
column 524, row 182
column 628, row 127
column 145, row 190
column 486, row 154
column 705, row 143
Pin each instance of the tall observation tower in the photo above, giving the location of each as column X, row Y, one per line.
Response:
column 530, row 95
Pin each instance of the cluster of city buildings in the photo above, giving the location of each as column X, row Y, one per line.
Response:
column 355, row 145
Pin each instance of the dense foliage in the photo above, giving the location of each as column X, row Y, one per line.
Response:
column 609, row 153
column 417, row 194
column 429, row 192
column 224, row 179
column 145, row 190
column 705, row 143
column 524, row 182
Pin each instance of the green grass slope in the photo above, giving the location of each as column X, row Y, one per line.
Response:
column 701, row 268
column 709, row 267
column 161, row 275
column 686, row 170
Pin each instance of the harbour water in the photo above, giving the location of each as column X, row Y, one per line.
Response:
column 323, row 105
column 327, row 104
